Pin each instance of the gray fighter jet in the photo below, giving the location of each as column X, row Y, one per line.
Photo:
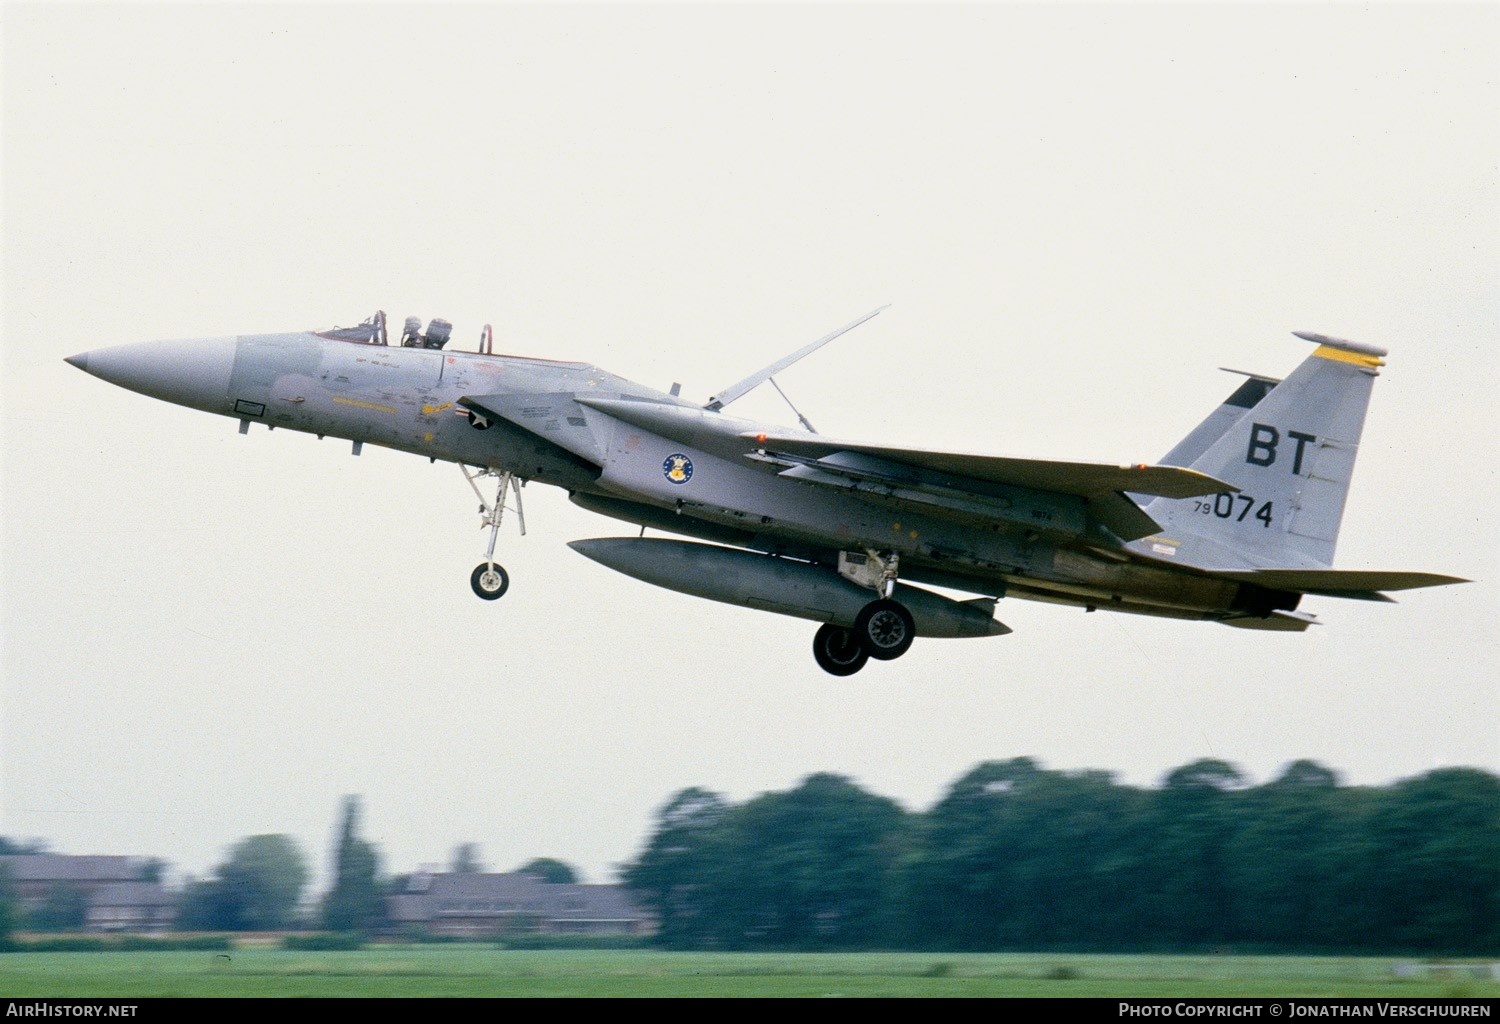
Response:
column 1235, row 525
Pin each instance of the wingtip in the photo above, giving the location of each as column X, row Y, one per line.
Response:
column 1435, row 579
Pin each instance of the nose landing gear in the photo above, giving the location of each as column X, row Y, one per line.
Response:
column 489, row 579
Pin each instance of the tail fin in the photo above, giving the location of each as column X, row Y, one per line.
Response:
column 1290, row 453
column 1245, row 397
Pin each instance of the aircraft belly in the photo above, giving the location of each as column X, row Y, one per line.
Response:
column 1031, row 590
column 1089, row 576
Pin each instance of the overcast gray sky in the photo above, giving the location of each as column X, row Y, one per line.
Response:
column 1077, row 213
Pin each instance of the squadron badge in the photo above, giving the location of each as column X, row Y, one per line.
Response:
column 677, row 468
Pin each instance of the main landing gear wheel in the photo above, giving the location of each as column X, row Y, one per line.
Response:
column 490, row 581
column 837, row 651
column 885, row 629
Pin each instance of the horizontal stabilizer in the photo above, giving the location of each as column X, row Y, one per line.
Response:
column 1083, row 479
column 1360, row 584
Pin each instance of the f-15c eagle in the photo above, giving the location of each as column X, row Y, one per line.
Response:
column 1234, row 525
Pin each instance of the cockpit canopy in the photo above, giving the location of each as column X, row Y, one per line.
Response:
column 369, row 332
column 372, row 332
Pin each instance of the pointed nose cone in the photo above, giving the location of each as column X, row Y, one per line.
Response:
column 194, row 372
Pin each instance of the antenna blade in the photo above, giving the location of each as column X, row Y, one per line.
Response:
column 758, row 378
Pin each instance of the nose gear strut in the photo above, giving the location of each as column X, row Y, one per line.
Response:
column 489, row 579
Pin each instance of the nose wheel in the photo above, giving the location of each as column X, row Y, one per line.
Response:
column 489, row 579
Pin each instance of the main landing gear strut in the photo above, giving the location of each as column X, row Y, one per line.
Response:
column 883, row 629
column 489, row 578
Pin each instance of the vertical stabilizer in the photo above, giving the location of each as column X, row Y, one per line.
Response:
column 1291, row 454
column 1244, row 398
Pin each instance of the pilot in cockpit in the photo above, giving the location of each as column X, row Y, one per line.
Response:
column 438, row 332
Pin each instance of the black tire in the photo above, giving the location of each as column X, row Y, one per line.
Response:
column 837, row 651
column 490, row 586
column 885, row 628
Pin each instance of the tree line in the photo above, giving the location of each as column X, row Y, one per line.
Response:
column 1018, row 857
column 1013, row 857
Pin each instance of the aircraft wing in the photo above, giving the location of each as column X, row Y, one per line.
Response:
column 960, row 482
column 971, row 488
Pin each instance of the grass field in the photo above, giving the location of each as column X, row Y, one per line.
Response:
column 455, row 971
